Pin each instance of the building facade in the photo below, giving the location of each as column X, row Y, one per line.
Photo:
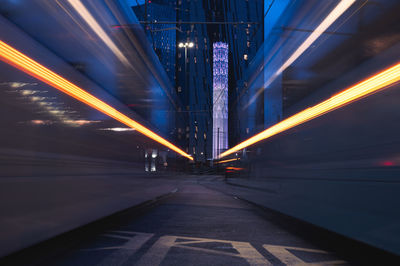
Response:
column 161, row 36
column 198, row 21
column 220, row 98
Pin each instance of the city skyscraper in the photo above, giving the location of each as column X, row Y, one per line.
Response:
column 238, row 24
column 220, row 98
column 241, row 28
column 161, row 36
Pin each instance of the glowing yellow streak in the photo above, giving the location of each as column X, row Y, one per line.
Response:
column 234, row 168
column 13, row 57
column 227, row 161
column 91, row 21
column 325, row 24
column 356, row 92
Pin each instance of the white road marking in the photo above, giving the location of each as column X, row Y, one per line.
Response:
column 285, row 256
column 159, row 250
column 124, row 252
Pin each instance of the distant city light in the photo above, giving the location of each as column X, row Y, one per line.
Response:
column 186, row 44
column 118, row 129
column 356, row 92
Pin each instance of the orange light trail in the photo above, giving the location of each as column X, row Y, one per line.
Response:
column 227, row 161
column 370, row 85
column 234, row 168
column 17, row 59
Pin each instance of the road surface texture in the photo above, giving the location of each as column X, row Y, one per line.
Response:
column 199, row 224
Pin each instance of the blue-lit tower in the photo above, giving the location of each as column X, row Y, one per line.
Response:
column 220, row 97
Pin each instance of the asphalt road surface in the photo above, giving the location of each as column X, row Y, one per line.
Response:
column 199, row 225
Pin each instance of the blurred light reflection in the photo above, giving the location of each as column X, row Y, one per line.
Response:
column 118, row 129
column 95, row 26
column 325, row 24
column 356, row 92
column 13, row 57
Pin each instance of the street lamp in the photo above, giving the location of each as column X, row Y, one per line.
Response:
column 186, row 45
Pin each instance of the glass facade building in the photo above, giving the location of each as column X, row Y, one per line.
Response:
column 242, row 30
column 161, row 36
column 220, row 98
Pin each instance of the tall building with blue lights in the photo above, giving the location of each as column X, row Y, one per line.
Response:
column 243, row 40
column 193, row 73
column 161, row 36
column 220, row 97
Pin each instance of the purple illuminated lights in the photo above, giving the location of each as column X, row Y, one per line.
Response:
column 220, row 98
